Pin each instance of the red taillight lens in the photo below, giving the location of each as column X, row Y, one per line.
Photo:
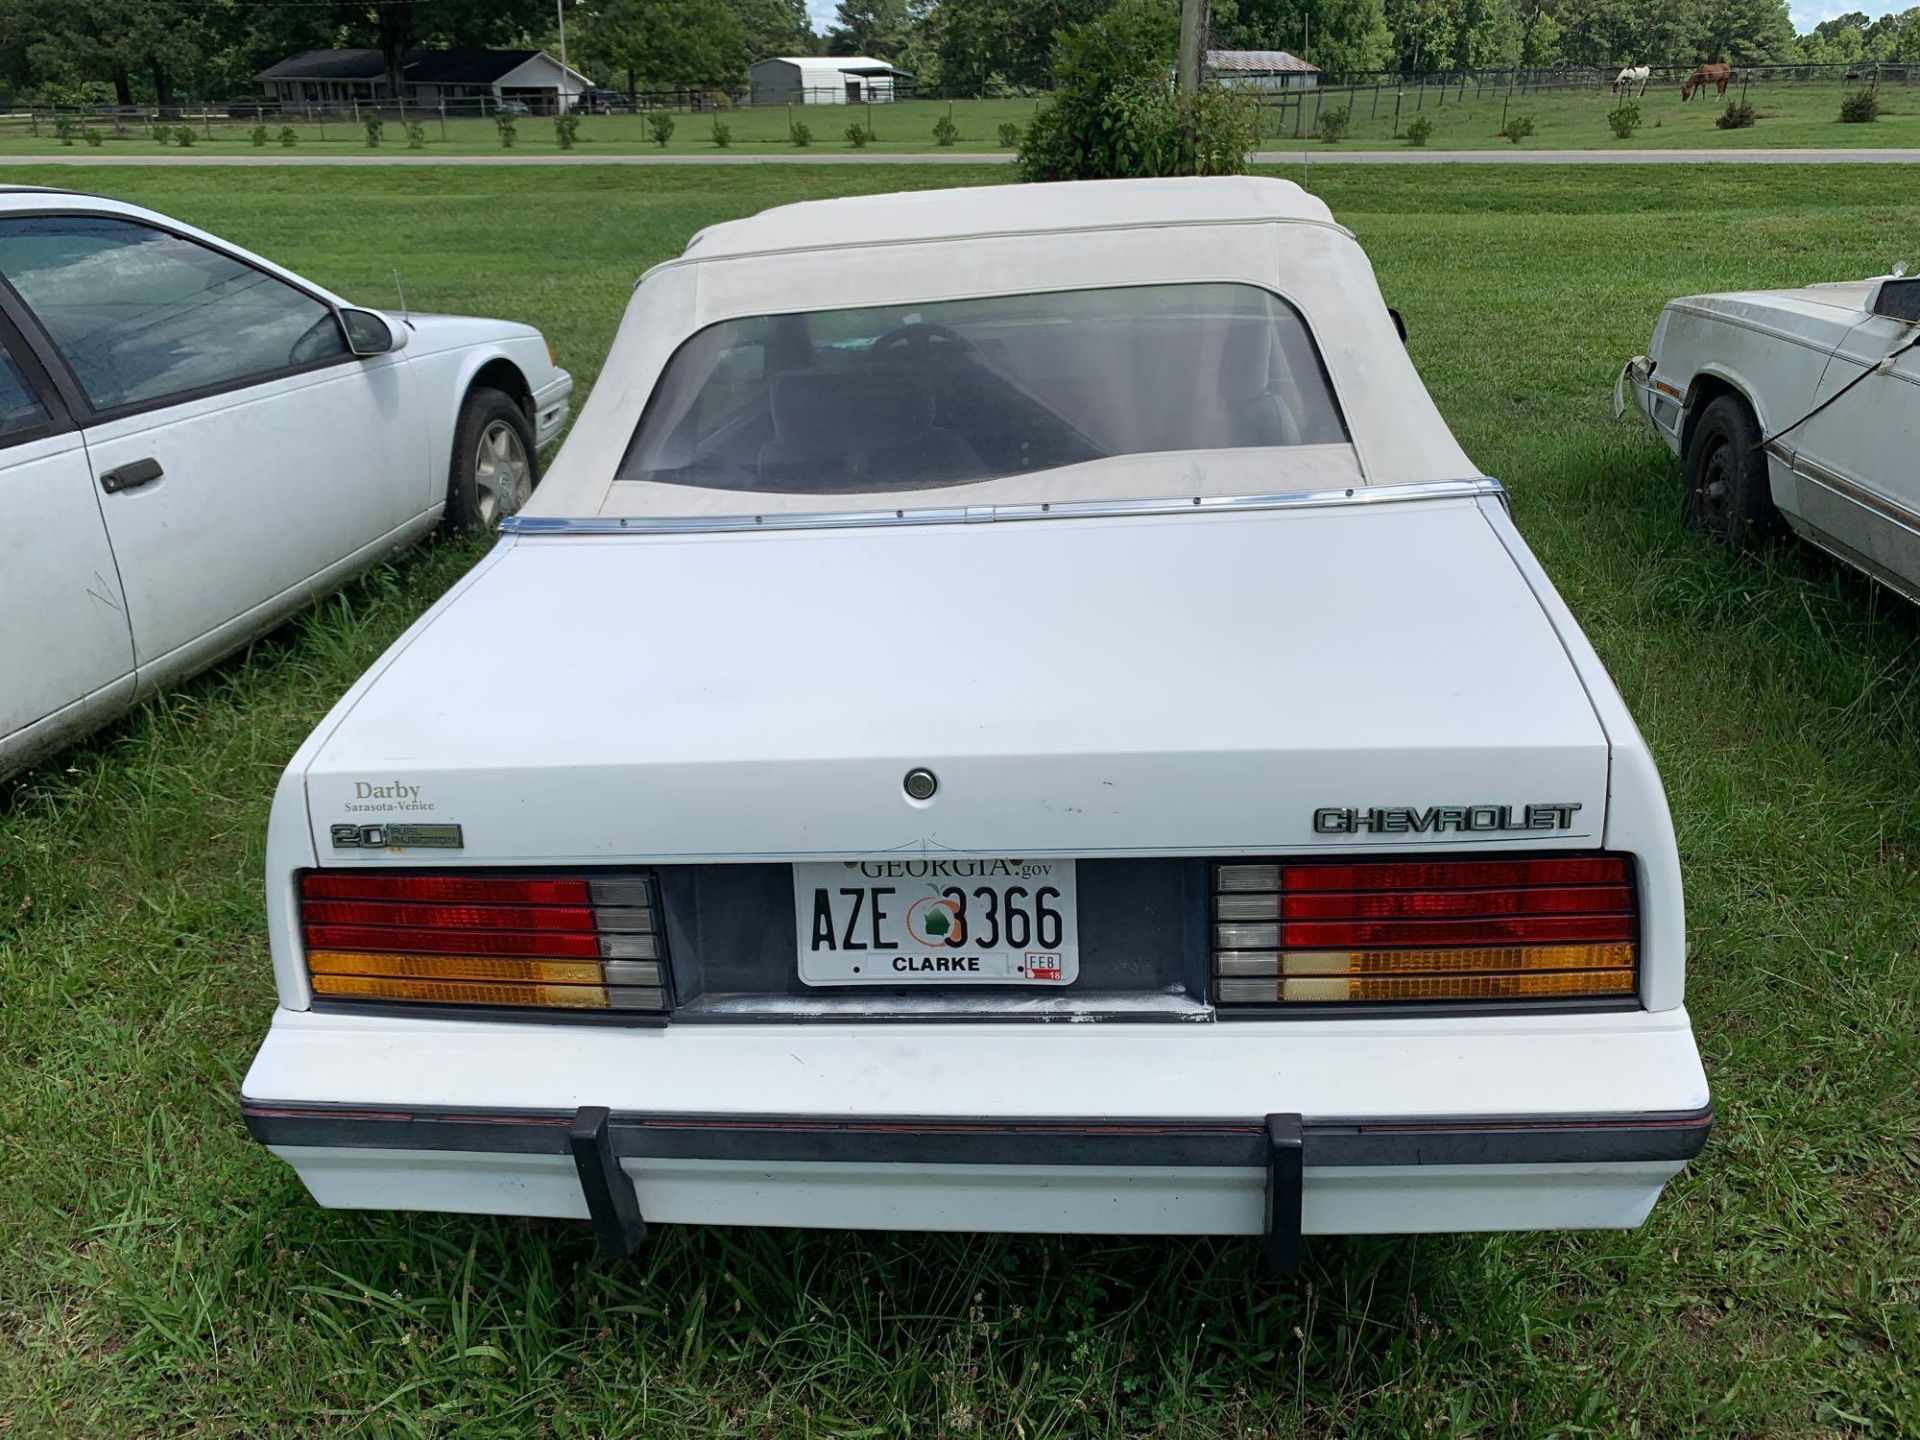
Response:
column 1316, row 932
column 541, row 941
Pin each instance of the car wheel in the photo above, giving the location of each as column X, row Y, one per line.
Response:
column 494, row 465
column 1728, row 495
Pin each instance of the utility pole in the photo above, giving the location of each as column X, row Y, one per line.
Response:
column 560, row 11
column 1193, row 40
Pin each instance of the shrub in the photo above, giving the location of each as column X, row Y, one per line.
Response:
column 1009, row 134
column 1624, row 120
column 509, row 132
column 800, row 133
column 66, row 128
column 258, row 135
column 1331, row 127
column 288, row 137
column 1419, row 130
column 416, row 135
column 1739, row 116
column 1860, row 106
column 93, row 137
column 566, row 130
column 163, row 134
column 1112, row 115
column 1518, row 128
column 375, row 127
column 660, row 126
column 719, row 100
column 722, row 134
column 185, row 138
column 857, row 135
column 945, row 132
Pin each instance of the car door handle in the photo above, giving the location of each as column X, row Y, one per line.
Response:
column 131, row 476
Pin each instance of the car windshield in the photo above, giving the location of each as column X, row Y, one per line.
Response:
column 891, row 398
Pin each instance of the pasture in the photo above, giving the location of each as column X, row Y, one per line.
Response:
column 161, row 1275
column 1470, row 118
column 1463, row 118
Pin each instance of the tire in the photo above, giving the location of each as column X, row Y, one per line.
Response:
column 1729, row 499
column 494, row 466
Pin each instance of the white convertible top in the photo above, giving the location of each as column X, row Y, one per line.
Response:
column 931, row 215
column 928, row 246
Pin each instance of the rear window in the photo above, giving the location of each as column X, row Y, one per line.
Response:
column 907, row 397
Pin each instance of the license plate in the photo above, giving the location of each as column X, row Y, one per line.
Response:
column 937, row 922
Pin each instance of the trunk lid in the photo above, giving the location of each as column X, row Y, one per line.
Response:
column 1181, row 684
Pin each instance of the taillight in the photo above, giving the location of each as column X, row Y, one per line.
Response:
column 1319, row 932
column 557, row 942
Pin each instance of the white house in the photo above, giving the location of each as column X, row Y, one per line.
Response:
column 1260, row 70
column 822, row 80
column 462, row 78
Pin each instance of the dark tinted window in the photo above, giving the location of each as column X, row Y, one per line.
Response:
column 902, row 397
column 20, row 407
column 141, row 314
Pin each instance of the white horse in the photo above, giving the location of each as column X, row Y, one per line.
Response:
column 1633, row 75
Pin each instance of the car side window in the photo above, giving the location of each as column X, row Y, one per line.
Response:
column 21, row 410
column 141, row 315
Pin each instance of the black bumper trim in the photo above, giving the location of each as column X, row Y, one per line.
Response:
column 1325, row 1143
column 611, row 1202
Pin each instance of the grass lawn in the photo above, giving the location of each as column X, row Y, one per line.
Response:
column 1790, row 115
column 162, row 1275
column 903, row 127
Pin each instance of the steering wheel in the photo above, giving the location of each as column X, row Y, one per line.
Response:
column 918, row 339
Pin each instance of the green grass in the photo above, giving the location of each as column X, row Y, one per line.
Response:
column 756, row 129
column 161, row 1275
column 1790, row 115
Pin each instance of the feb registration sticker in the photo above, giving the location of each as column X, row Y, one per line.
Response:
column 937, row 922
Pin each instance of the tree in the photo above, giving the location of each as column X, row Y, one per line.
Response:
column 117, row 42
column 666, row 44
column 870, row 27
column 1347, row 35
column 1114, row 114
column 397, row 26
column 775, row 27
column 972, row 42
column 1743, row 31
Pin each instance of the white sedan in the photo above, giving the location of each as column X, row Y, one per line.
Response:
column 195, row 442
column 1014, row 713
column 1797, row 409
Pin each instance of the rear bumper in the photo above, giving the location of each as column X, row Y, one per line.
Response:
column 1538, row 1122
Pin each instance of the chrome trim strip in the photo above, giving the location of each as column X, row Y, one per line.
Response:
column 1884, row 506
column 533, row 525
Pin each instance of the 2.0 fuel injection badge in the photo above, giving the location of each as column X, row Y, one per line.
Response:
column 397, row 837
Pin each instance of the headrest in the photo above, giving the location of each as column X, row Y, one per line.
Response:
column 1246, row 358
column 835, row 412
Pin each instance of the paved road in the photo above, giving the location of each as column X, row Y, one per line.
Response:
column 1318, row 155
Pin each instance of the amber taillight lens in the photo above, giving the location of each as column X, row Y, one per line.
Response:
column 553, row 942
column 1318, row 932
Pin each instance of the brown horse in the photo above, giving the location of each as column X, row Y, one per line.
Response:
column 1705, row 75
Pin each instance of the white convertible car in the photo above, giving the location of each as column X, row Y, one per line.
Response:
column 1011, row 712
column 195, row 442
column 1795, row 406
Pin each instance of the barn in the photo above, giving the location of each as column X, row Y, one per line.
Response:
column 823, row 80
column 1260, row 70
